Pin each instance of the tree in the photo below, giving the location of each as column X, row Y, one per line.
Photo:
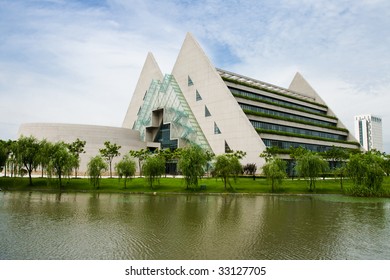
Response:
column 125, row 168
column 168, row 155
column 141, row 155
column 94, row 170
column 337, row 157
column 310, row 165
column 62, row 161
column 27, row 154
column 3, row 155
column 45, row 150
column 226, row 166
column 153, row 168
column 366, row 173
column 269, row 153
column 11, row 162
column 275, row 171
column 77, row 148
column 386, row 164
column 192, row 164
column 250, row 169
column 109, row 152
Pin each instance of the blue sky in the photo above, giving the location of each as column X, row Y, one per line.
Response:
column 78, row 61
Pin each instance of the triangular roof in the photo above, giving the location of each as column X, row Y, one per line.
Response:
column 299, row 84
column 150, row 71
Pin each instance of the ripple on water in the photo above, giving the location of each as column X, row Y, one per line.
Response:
column 181, row 227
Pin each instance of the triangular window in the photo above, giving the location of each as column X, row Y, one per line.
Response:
column 190, row 82
column 227, row 148
column 206, row 112
column 216, row 129
column 198, row 97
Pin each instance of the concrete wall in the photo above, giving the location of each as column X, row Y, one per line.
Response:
column 95, row 136
column 234, row 125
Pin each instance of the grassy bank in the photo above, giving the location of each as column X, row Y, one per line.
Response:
column 177, row 185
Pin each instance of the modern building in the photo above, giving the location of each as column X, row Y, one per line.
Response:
column 223, row 111
column 219, row 110
column 368, row 129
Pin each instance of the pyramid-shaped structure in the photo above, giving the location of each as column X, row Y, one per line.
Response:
column 217, row 109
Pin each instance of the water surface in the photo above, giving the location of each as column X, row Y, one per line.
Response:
column 119, row 226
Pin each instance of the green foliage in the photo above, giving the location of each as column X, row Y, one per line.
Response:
column 11, row 163
column 61, row 161
column 386, row 164
column 27, row 153
column 269, row 153
column 366, row 173
column 310, row 165
column 3, row 154
column 153, row 168
column 250, row 169
column 192, row 163
column 77, row 148
column 226, row 166
column 295, row 153
column 141, row 155
column 45, row 150
column 109, row 152
column 125, row 168
column 336, row 156
column 95, row 168
column 275, row 171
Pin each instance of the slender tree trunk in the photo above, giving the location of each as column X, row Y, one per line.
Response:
column 29, row 176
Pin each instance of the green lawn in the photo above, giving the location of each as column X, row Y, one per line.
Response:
column 177, row 185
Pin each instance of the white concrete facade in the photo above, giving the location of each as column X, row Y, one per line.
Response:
column 222, row 117
column 368, row 129
column 94, row 135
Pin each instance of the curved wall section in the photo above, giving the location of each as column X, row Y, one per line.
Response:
column 94, row 135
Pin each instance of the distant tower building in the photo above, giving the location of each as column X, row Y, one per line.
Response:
column 368, row 130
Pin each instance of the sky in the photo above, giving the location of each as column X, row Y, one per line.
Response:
column 78, row 61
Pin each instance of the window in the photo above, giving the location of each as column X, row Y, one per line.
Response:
column 267, row 99
column 301, row 131
column 227, row 148
column 206, row 112
column 164, row 137
column 282, row 114
column 216, row 129
column 198, row 97
column 190, row 82
column 285, row 145
column 361, row 132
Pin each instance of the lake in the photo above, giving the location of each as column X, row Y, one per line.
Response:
column 80, row 226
